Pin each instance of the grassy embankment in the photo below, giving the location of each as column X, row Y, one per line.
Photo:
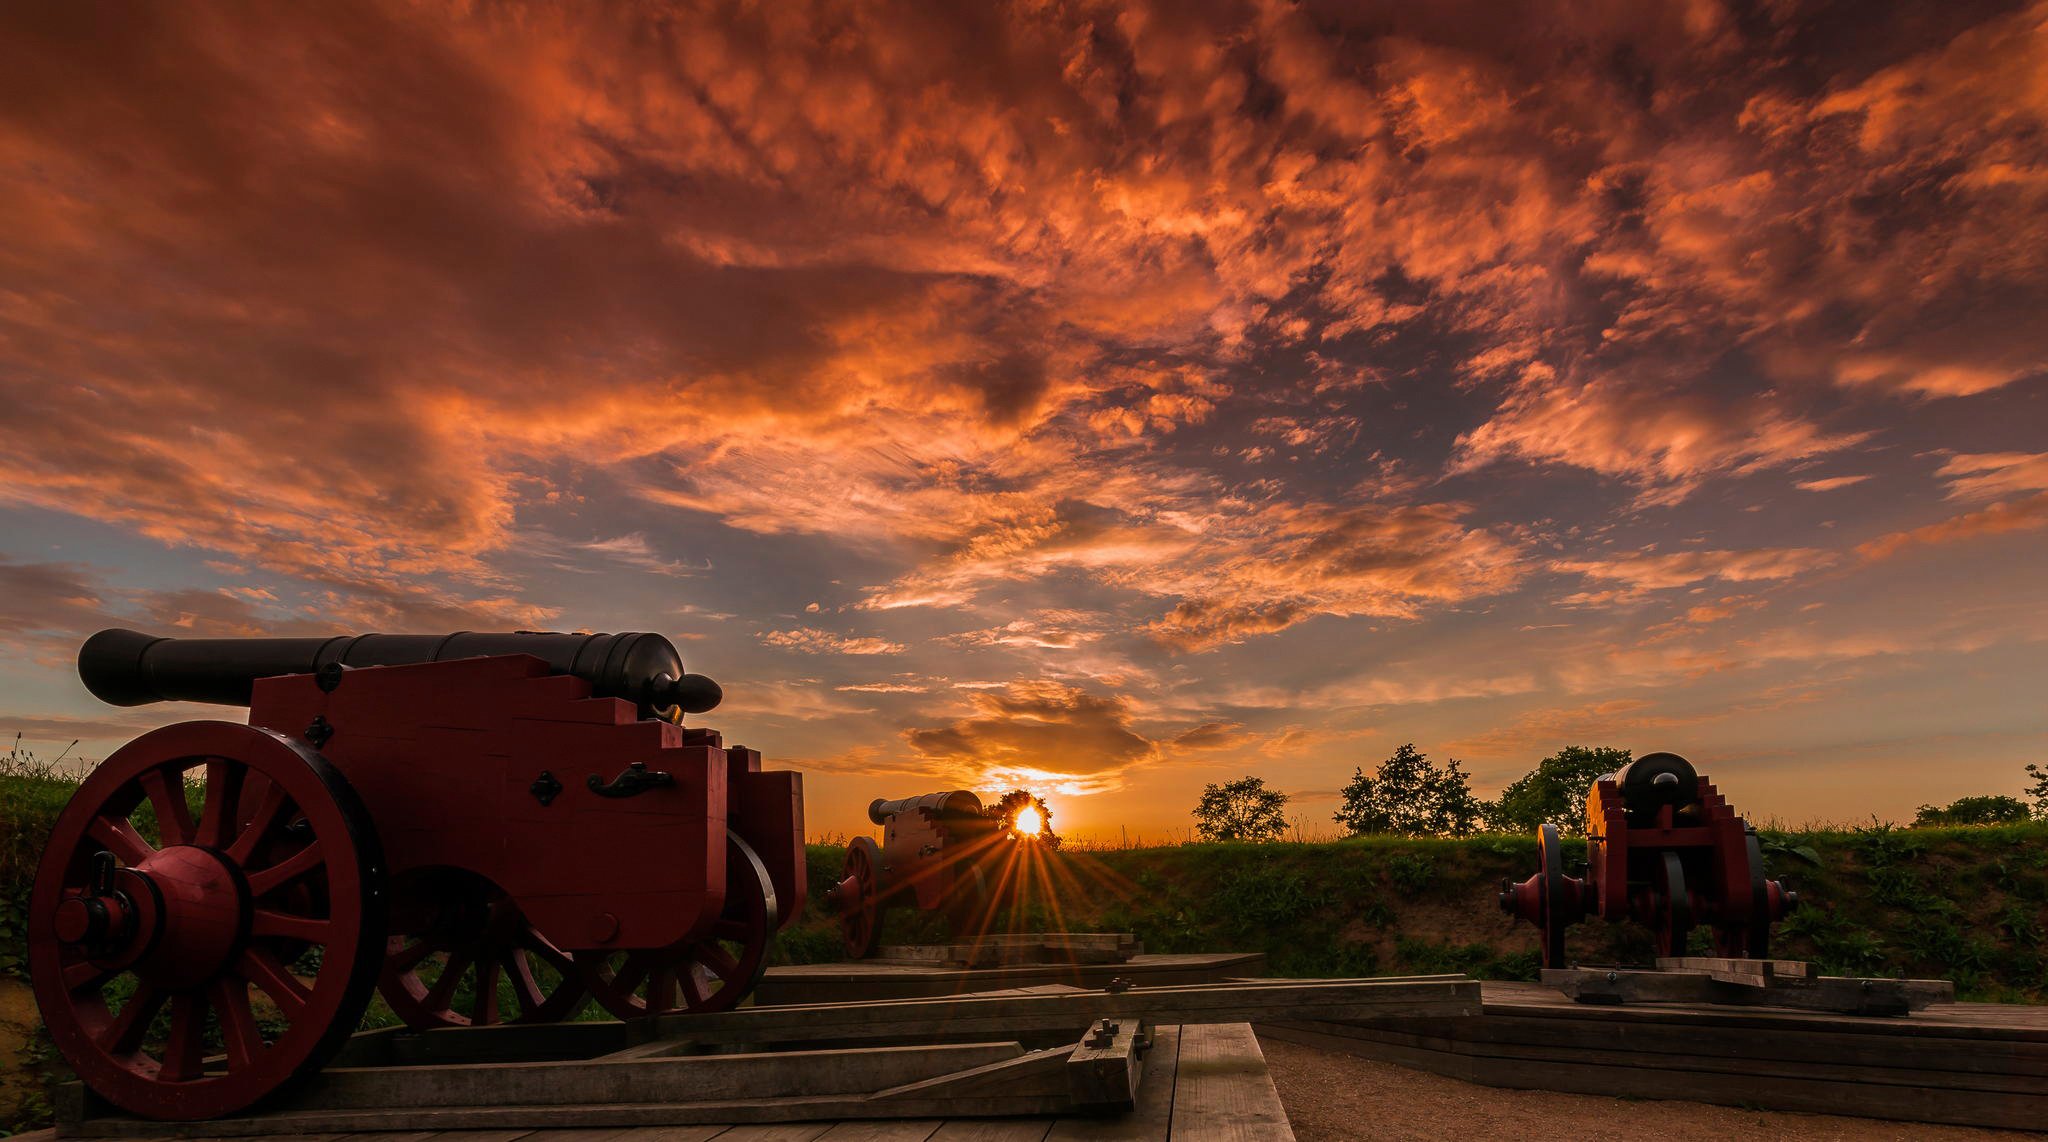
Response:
column 1968, row 904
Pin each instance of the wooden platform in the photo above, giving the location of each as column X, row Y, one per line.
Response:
column 857, row 980
column 1976, row 1064
column 1078, row 1064
column 1209, row 1084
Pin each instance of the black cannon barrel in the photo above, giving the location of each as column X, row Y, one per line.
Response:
column 957, row 804
column 129, row 668
column 1655, row 779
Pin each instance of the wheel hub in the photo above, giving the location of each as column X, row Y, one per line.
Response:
column 176, row 919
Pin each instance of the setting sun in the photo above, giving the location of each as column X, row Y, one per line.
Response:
column 1029, row 822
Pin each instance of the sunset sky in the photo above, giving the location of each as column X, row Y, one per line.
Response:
column 1108, row 398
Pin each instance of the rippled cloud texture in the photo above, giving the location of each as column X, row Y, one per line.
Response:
column 1115, row 397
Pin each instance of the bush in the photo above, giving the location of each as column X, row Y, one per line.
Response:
column 32, row 793
column 1993, row 809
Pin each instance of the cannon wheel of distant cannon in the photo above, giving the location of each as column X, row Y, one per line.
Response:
column 150, row 921
column 1555, row 915
column 709, row 974
column 1674, row 907
column 468, row 931
column 860, row 922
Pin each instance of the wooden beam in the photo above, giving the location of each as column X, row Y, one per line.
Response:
column 1224, row 1093
column 691, row 1078
column 1103, row 1072
column 1152, row 1119
column 1435, row 997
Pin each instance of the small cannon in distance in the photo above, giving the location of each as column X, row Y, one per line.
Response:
column 483, row 828
column 1665, row 849
column 939, row 853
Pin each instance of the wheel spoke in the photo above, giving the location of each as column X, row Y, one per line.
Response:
column 121, row 839
column 553, row 956
column 85, row 976
column 124, row 1035
column 238, row 1028
column 661, row 989
column 166, row 792
column 261, row 968
column 734, row 930
column 268, row 809
column 410, row 956
column 483, row 1008
column 223, row 795
column 695, row 994
column 719, row 962
column 306, row 929
column 264, row 881
column 629, row 975
column 185, row 1050
column 444, row 988
column 525, row 989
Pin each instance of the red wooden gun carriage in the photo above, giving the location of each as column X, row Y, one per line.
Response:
column 482, row 827
column 1662, row 848
column 935, row 855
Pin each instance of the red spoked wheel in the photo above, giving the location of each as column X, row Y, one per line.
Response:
column 860, row 912
column 710, row 974
column 461, row 954
column 187, row 968
column 1672, row 907
column 1560, row 902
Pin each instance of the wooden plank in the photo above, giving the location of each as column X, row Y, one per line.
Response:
column 2024, row 1111
column 694, row 1078
column 1151, row 1121
column 886, row 1130
column 1758, row 973
column 583, row 1116
column 476, row 1136
column 1729, row 1033
column 775, row 1132
column 1222, row 1092
column 1037, row 1073
column 664, row 1134
column 1903, row 1069
column 1104, row 1070
column 993, row 1130
column 1440, row 997
column 1840, row 994
column 600, row 1134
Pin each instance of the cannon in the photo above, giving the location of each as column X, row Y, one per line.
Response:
column 483, row 828
column 1665, row 850
column 936, row 854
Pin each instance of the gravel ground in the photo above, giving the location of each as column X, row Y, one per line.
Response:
column 1334, row 1097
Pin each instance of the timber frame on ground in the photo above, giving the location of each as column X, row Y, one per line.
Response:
column 1080, row 1063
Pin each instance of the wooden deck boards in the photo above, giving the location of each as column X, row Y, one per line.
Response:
column 1966, row 1063
column 861, row 980
column 1203, row 1083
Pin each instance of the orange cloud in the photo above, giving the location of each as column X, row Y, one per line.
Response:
column 1060, row 733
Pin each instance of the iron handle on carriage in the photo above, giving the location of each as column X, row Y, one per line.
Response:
column 632, row 781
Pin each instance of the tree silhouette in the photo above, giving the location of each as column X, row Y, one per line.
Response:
column 1241, row 810
column 1408, row 795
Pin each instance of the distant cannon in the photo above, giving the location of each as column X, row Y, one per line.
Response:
column 936, row 854
column 1665, row 850
column 484, row 827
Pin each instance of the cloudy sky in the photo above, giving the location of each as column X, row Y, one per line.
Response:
column 1110, row 397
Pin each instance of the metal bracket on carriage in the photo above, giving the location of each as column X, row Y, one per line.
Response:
column 632, row 781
